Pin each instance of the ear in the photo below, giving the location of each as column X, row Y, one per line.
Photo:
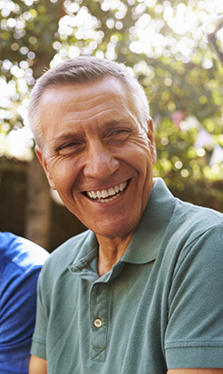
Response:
column 44, row 164
column 150, row 135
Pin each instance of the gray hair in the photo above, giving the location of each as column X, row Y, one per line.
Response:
column 81, row 70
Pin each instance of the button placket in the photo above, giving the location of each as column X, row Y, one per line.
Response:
column 99, row 320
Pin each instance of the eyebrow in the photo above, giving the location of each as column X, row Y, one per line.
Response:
column 79, row 135
column 64, row 137
column 106, row 125
column 61, row 139
column 114, row 123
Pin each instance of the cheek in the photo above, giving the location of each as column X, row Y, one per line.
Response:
column 141, row 143
column 140, row 154
column 63, row 174
column 142, row 162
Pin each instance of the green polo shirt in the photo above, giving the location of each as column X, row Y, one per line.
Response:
column 160, row 307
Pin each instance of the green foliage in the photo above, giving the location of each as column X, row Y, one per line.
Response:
column 27, row 32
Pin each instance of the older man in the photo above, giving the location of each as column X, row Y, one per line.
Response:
column 141, row 290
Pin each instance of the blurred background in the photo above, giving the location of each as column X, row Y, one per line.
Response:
column 173, row 47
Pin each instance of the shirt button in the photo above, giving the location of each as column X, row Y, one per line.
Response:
column 98, row 322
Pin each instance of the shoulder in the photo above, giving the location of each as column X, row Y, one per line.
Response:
column 192, row 221
column 193, row 244
column 64, row 256
column 192, row 240
column 20, row 252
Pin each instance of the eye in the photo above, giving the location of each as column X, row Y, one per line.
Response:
column 119, row 134
column 69, row 148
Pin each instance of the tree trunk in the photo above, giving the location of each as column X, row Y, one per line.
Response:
column 38, row 208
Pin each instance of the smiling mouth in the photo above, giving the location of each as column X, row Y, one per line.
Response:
column 105, row 196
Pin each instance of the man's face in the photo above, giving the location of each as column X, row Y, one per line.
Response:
column 96, row 155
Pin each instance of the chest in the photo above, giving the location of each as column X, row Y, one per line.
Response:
column 116, row 326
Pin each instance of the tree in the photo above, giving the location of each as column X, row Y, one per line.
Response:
column 162, row 42
column 27, row 36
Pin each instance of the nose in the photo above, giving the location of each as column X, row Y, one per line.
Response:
column 100, row 161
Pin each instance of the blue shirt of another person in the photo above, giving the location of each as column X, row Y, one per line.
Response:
column 20, row 265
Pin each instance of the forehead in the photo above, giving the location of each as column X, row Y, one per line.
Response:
column 75, row 104
column 85, row 95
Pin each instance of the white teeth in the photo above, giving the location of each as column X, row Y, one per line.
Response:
column 98, row 193
column 104, row 194
column 93, row 195
column 110, row 198
column 111, row 191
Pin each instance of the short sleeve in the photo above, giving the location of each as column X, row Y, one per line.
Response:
column 38, row 347
column 194, row 334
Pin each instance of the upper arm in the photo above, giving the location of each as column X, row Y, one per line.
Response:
column 37, row 365
column 195, row 371
column 193, row 336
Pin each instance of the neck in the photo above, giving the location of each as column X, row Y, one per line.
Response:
column 110, row 251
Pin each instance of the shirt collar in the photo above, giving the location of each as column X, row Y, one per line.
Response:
column 146, row 241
